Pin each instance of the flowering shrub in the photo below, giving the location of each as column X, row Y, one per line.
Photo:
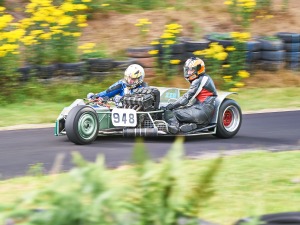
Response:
column 165, row 43
column 241, row 10
column 227, row 65
column 9, row 54
column 52, row 31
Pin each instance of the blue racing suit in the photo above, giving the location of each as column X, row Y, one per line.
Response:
column 118, row 88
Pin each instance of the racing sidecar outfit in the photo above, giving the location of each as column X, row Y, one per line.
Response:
column 195, row 106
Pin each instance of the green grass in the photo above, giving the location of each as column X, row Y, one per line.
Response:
column 248, row 184
column 42, row 104
column 268, row 98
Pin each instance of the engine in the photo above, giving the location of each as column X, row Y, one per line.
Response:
column 142, row 99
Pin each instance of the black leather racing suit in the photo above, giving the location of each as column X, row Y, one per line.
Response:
column 196, row 105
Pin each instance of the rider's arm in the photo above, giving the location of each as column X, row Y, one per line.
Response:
column 113, row 90
column 194, row 90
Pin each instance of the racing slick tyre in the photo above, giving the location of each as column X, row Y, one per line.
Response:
column 82, row 125
column 229, row 119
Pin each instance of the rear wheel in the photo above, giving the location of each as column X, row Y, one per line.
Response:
column 82, row 125
column 229, row 119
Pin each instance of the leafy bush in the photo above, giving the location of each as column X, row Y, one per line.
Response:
column 148, row 193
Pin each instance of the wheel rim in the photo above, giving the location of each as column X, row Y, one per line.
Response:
column 87, row 126
column 231, row 118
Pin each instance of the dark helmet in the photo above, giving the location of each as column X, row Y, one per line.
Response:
column 193, row 68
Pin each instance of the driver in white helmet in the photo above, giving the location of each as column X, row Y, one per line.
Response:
column 133, row 78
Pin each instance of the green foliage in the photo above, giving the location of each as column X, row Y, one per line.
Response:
column 9, row 77
column 151, row 193
column 36, row 169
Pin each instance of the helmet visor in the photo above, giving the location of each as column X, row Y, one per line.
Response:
column 189, row 71
column 131, row 81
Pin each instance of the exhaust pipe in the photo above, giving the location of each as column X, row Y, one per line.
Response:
column 140, row 132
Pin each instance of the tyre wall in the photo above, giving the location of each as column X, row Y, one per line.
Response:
column 291, row 42
column 272, row 54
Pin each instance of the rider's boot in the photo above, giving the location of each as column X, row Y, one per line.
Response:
column 188, row 127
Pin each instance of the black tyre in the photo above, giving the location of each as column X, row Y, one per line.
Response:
column 289, row 37
column 273, row 55
column 293, row 56
column 253, row 56
column 271, row 45
column 253, row 46
column 192, row 46
column 292, row 47
column 271, row 65
column 82, row 125
column 229, row 119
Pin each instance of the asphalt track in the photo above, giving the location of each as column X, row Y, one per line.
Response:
column 19, row 149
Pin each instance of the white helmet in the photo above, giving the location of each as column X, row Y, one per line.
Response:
column 134, row 75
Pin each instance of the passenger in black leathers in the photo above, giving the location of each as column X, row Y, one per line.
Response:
column 196, row 107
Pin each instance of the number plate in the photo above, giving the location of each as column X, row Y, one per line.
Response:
column 123, row 117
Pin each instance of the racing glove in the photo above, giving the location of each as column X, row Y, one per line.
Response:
column 117, row 98
column 169, row 107
column 91, row 96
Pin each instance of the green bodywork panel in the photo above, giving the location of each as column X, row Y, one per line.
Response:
column 105, row 120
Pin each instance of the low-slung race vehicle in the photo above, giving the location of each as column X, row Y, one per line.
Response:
column 140, row 114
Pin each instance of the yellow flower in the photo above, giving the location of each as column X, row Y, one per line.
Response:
column 175, row 61
column 82, row 25
column 230, row 48
column 154, row 43
column 235, row 35
column 169, row 42
column 228, row 3
column 199, row 52
column 245, row 35
column 167, row 36
column 105, row 5
column 221, row 56
column 86, row 0
column 227, row 77
column 144, row 21
column 81, row 18
column 46, row 36
column 226, row 66
column 65, row 20
column 239, row 84
column 76, row 34
column 153, row 52
column 234, row 89
column 89, row 45
column 173, row 26
column 243, row 74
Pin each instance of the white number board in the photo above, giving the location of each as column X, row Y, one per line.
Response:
column 123, row 117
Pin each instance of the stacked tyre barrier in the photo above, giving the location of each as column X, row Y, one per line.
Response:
column 99, row 68
column 272, row 54
column 291, row 42
column 253, row 54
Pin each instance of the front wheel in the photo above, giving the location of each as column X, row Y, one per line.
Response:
column 82, row 125
column 229, row 119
